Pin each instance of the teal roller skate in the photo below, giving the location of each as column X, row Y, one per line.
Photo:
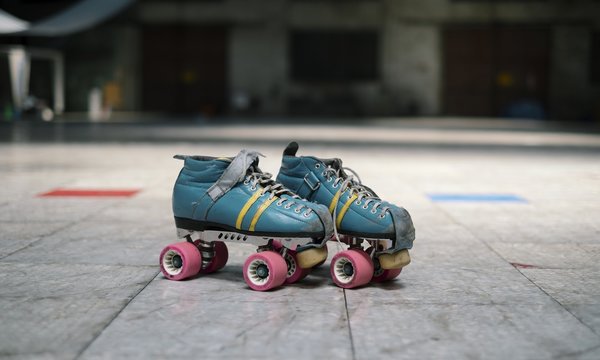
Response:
column 219, row 200
column 361, row 219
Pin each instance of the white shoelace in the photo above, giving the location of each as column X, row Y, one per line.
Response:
column 274, row 188
column 356, row 187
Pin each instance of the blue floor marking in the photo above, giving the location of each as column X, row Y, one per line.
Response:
column 445, row 197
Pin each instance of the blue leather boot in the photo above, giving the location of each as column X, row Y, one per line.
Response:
column 358, row 215
column 218, row 200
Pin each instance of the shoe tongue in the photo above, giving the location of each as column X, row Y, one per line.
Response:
column 234, row 173
column 253, row 170
column 336, row 164
column 254, row 167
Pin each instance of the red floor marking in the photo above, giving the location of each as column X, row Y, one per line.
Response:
column 523, row 266
column 90, row 193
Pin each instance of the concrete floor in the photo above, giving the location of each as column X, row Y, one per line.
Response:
column 79, row 277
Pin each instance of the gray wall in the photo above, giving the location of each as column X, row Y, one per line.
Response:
column 411, row 56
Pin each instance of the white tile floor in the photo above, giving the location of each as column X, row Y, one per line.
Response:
column 79, row 277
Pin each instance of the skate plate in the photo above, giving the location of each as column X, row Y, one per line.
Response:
column 230, row 236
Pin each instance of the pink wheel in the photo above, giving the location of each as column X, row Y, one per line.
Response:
column 364, row 253
column 265, row 270
column 351, row 268
column 219, row 259
column 180, row 260
column 294, row 272
column 382, row 275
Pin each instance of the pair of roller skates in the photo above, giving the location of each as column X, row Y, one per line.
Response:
column 290, row 219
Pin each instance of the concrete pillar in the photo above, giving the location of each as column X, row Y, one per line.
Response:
column 569, row 96
column 258, row 66
column 19, row 63
column 126, row 66
column 59, row 84
column 411, row 67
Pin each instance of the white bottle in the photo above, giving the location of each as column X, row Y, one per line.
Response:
column 95, row 104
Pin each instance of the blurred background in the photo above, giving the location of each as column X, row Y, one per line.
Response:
column 481, row 117
column 110, row 60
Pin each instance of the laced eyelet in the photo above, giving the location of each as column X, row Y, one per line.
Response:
column 279, row 203
column 374, row 211
column 317, row 165
column 246, row 182
column 323, row 173
column 365, row 206
column 305, row 214
column 297, row 211
column 287, row 207
column 382, row 216
column 329, row 179
column 335, row 185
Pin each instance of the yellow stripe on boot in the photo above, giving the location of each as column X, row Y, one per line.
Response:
column 334, row 201
column 247, row 205
column 260, row 210
column 342, row 212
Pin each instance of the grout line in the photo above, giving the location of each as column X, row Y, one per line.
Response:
column 80, row 353
column 519, row 270
column 42, row 237
column 68, row 225
column 73, row 223
column 558, row 302
column 349, row 326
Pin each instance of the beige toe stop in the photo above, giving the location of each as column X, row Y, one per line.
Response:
column 311, row 257
column 394, row 261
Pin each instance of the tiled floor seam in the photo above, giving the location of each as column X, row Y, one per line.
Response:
column 349, row 325
column 38, row 240
column 82, row 263
column 73, row 223
column 578, row 353
column 561, row 305
column 520, row 272
column 115, row 204
column 110, row 321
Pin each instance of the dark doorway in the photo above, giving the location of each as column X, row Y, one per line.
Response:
column 184, row 69
column 5, row 86
column 41, row 80
column 329, row 56
column 496, row 70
